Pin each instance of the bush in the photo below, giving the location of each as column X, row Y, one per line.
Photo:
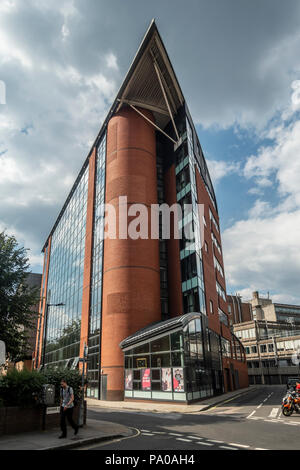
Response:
column 73, row 378
column 24, row 388
column 20, row 388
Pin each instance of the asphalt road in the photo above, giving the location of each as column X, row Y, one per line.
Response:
column 249, row 422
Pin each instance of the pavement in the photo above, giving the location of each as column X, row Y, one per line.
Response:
column 94, row 431
column 98, row 431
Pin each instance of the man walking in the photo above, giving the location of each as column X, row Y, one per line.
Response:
column 66, row 408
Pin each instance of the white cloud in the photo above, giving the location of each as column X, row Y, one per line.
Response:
column 220, row 169
column 263, row 251
column 111, row 61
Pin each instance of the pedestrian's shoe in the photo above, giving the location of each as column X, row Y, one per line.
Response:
column 62, row 436
column 76, row 430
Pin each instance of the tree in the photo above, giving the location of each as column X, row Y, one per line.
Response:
column 16, row 297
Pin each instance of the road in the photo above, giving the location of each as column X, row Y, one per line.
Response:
column 249, row 422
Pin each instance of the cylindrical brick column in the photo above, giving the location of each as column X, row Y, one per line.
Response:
column 131, row 272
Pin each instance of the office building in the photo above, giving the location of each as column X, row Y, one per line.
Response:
column 152, row 309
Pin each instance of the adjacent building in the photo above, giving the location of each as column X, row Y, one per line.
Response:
column 238, row 311
column 271, row 338
column 152, row 310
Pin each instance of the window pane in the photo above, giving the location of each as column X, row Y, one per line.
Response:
column 136, row 375
column 160, row 360
column 161, row 344
column 177, row 359
column 155, row 374
column 141, row 362
column 176, row 341
column 144, row 348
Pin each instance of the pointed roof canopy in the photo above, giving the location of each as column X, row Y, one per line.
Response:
column 151, row 82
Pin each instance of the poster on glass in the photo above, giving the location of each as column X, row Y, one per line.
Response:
column 166, row 380
column 128, row 380
column 146, row 382
column 178, row 381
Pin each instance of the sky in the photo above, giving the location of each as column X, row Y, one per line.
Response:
column 238, row 64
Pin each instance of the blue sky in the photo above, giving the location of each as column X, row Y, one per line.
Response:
column 238, row 64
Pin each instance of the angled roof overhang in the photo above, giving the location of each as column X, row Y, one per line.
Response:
column 151, row 82
column 160, row 328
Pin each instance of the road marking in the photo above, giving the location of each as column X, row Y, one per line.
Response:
column 184, row 440
column 258, row 448
column 259, row 405
column 274, row 413
column 238, row 445
column 204, row 444
column 251, row 414
column 217, row 442
column 174, row 434
column 227, row 447
column 194, row 437
column 148, row 434
column 158, row 432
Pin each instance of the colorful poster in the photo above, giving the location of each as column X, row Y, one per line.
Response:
column 146, row 381
column 128, row 380
column 166, row 380
column 178, row 381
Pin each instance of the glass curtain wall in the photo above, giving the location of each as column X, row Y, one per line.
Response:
column 65, row 281
column 193, row 289
column 96, row 281
column 184, row 365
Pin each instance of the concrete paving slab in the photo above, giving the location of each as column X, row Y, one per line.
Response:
column 94, row 431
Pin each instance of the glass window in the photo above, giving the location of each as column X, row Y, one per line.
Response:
column 155, row 374
column 177, row 359
column 198, row 324
column 160, row 360
column 161, row 344
column 141, row 362
column 136, row 375
column 144, row 348
column 176, row 341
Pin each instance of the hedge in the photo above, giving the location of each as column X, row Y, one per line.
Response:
column 23, row 388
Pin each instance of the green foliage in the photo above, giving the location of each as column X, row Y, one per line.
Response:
column 24, row 388
column 21, row 388
column 72, row 377
column 16, row 297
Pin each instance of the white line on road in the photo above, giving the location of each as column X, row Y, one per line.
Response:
column 194, row 437
column 274, row 413
column 204, row 443
column 251, row 414
column 238, row 445
column 217, row 442
column 184, row 440
column 227, row 447
column 174, row 434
